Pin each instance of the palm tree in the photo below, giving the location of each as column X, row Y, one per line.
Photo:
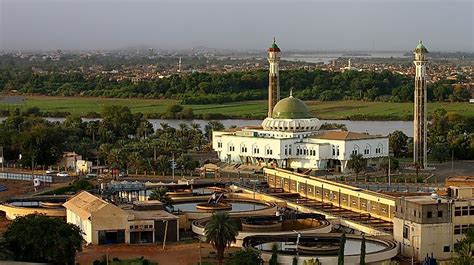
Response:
column 221, row 231
column 162, row 164
column 161, row 195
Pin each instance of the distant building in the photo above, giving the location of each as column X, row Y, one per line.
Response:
column 69, row 160
column 105, row 223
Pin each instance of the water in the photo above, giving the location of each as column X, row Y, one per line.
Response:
column 372, row 127
column 328, row 57
column 236, row 206
column 352, row 247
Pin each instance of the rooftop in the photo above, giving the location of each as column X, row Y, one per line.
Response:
column 343, row 135
column 85, row 204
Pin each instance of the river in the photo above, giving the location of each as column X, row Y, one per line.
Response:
column 372, row 127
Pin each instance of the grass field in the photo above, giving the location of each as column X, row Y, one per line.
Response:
column 355, row 110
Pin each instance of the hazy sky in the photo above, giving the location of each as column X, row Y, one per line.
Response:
column 446, row 25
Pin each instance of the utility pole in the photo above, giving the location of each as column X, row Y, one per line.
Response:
column 2, row 157
column 389, row 177
column 173, row 164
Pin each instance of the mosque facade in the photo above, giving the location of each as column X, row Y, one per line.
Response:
column 290, row 137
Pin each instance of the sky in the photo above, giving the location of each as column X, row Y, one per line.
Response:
column 358, row 25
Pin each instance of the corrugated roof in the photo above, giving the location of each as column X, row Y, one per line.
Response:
column 343, row 135
column 85, row 204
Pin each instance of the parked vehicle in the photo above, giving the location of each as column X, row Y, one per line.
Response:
column 50, row 171
column 91, row 175
column 62, row 174
column 123, row 174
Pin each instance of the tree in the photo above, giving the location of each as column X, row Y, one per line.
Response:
column 464, row 249
column 163, row 164
column 394, row 164
column 295, row 261
column 398, row 143
column 161, row 195
column 117, row 123
column 439, row 152
column 340, row 254
column 221, row 232
column 38, row 238
column 357, row 163
column 274, row 258
column 362, row 251
column 212, row 126
column 246, row 256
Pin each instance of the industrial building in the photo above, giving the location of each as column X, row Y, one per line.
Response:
column 105, row 223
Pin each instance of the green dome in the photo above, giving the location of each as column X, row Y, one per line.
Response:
column 421, row 48
column 291, row 108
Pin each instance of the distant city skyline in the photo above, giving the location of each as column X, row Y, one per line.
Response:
column 343, row 25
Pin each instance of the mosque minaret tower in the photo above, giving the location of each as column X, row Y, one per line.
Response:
column 273, row 77
column 420, row 112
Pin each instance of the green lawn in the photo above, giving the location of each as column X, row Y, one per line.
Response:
column 356, row 110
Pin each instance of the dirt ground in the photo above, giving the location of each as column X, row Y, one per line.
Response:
column 15, row 188
column 23, row 188
column 176, row 253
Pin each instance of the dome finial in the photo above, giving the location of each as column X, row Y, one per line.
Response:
column 274, row 40
column 291, row 92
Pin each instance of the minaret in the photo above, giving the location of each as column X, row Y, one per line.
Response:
column 419, row 122
column 273, row 77
column 179, row 65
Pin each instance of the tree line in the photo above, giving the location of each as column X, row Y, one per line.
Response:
column 205, row 88
column 450, row 135
column 120, row 140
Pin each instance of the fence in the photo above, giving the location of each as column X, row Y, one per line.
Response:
column 25, row 177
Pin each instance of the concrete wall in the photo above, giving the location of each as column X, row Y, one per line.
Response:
column 109, row 217
column 344, row 196
column 423, row 239
column 84, row 224
column 11, row 212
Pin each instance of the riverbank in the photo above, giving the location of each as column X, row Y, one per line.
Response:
column 90, row 107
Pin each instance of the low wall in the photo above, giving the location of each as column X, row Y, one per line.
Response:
column 11, row 211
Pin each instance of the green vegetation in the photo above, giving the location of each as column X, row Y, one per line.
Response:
column 74, row 187
column 117, row 261
column 161, row 195
column 245, row 256
column 157, row 108
column 464, row 249
column 357, row 163
column 221, row 232
column 38, row 238
column 121, row 140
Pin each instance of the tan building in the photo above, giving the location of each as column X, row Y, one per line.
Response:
column 105, row 223
column 433, row 224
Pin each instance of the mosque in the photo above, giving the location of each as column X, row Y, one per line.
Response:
column 290, row 137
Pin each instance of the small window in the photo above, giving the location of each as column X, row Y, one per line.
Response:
column 406, row 232
column 457, row 229
column 440, row 213
column 471, row 210
column 465, row 210
column 457, row 211
column 429, row 214
column 446, row 249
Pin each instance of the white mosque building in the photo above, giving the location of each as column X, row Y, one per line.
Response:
column 290, row 137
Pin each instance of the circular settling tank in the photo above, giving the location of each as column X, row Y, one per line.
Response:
column 324, row 247
column 235, row 206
